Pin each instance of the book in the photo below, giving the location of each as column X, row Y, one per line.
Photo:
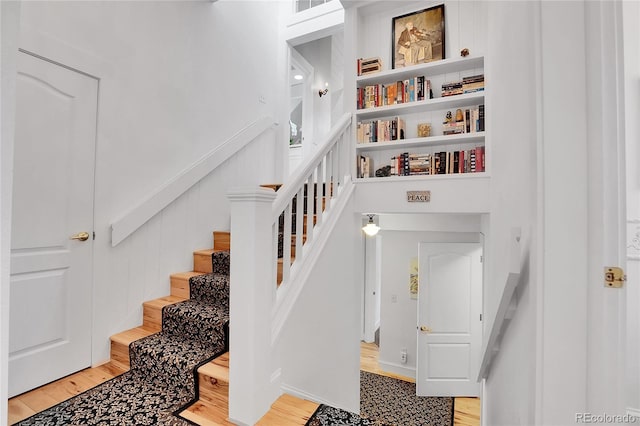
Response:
column 369, row 65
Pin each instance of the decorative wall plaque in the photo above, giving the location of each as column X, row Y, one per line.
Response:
column 418, row 196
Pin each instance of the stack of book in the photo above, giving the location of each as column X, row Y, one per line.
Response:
column 472, row 84
column 439, row 163
column 364, row 166
column 472, row 121
column 399, row 92
column 452, row 88
column 381, row 130
column 369, row 65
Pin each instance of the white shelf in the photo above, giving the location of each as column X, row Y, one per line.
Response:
column 435, row 104
column 477, row 175
column 429, row 69
column 465, row 138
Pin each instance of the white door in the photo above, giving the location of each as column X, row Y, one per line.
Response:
column 449, row 324
column 53, row 184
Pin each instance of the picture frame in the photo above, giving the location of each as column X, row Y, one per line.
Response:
column 418, row 37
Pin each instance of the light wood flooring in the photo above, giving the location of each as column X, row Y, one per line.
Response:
column 466, row 410
column 286, row 411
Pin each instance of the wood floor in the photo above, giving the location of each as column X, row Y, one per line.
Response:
column 286, row 411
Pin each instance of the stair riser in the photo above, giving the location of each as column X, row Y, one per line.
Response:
column 202, row 263
column 120, row 354
column 180, row 287
column 213, row 389
column 222, row 240
column 152, row 317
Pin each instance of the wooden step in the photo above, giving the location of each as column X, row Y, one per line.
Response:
column 207, row 414
column 280, row 264
column 214, row 381
column 120, row 344
column 180, row 283
column 274, row 186
column 202, row 261
column 222, row 240
column 213, row 406
column 152, row 311
column 288, row 410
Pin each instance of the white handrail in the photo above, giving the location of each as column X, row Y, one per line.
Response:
column 139, row 214
column 311, row 191
column 289, row 190
column 507, row 307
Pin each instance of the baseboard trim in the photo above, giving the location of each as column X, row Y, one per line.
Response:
column 394, row 368
column 299, row 393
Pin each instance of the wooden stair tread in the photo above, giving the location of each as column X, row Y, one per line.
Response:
column 180, row 283
column 288, row 410
column 186, row 275
column 131, row 335
column 163, row 301
column 215, row 370
column 202, row 260
column 206, row 413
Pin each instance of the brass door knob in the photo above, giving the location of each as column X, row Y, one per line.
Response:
column 81, row 236
column 425, row 329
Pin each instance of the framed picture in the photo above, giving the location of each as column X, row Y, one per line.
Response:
column 418, row 37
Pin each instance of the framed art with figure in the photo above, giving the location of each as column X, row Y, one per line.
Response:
column 418, row 37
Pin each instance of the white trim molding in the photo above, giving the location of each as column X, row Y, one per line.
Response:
column 139, row 214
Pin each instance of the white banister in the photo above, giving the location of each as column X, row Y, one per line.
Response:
column 251, row 301
column 321, row 178
column 139, row 214
column 269, row 231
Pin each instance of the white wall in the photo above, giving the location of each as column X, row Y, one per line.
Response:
column 9, row 13
column 319, row 346
column 398, row 312
column 632, row 130
column 511, row 69
column 176, row 80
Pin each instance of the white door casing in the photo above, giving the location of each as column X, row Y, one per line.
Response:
column 53, row 195
column 449, row 331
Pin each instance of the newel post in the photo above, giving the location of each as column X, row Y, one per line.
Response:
column 252, row 298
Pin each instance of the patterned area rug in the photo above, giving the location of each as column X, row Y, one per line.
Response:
column 163, row 378
column 385, row 401
column 394, row 402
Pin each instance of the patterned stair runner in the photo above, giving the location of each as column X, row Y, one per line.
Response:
column 163, row 375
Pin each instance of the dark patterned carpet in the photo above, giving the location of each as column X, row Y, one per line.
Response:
column 163, row 377
column 385, row 401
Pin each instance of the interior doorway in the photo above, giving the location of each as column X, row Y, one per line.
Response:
column 301, row 75
column 389, row 304
column 52, row 223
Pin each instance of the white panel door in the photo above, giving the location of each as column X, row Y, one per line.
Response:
column 449, row 332
column 51, row 279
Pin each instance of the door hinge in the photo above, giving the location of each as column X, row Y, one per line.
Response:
column 94, row 235
column 480, row 317
column 614, row 277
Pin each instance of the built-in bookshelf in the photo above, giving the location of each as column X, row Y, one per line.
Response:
column 460, row 143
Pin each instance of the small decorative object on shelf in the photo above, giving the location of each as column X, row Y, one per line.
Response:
column 383, row 171
column 448, row 118
column 459, row 115
column 424, row 130
column 369, row 65
column 464, row 52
